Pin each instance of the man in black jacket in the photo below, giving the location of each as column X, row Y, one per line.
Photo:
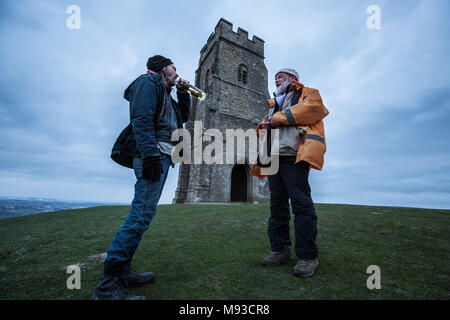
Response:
column 144, row 145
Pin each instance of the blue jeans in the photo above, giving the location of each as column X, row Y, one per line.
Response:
column 143, row 209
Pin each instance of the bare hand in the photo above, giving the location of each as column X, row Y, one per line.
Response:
column 180, row 83
column 266, row 124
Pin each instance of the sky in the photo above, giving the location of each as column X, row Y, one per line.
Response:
column 387, row 90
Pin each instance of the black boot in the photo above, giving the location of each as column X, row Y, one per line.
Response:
column 111, row 287
column 130, row 277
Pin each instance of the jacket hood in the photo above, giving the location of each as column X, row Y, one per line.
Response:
column 126, row 94
column 156, row 78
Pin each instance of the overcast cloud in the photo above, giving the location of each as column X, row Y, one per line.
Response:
column 388, row 90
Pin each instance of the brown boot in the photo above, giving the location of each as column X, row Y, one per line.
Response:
column 277, row 258
column 306, row 268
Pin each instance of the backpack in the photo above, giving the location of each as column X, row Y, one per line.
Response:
column 124, row 149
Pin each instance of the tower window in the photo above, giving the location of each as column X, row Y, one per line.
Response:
column 242, row 74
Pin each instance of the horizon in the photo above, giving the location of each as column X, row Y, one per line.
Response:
column 56, row 200
column 212, row 203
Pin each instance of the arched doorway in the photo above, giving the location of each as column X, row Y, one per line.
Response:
column 239, row 183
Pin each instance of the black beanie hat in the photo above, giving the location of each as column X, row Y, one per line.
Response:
column 156, row 63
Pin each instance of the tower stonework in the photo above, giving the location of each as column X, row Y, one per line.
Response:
column 232, row 72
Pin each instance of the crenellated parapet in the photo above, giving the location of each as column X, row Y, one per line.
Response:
column 224, row 30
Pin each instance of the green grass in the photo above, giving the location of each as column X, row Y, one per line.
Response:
column 215, row 252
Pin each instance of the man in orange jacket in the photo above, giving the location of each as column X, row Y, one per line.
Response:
column 297, row 112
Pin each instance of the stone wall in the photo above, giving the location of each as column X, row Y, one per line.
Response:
column 230, row 104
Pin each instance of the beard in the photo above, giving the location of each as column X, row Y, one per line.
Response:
column 281, row 89
column 171, row 81
column 170, row 77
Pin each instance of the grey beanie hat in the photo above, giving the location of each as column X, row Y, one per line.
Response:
column 291, row 71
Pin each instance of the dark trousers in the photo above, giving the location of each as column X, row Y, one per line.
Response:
column 291, row 182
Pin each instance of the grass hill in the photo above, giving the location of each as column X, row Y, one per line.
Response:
column 215, row 252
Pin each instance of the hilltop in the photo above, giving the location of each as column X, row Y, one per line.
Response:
column 215, row 252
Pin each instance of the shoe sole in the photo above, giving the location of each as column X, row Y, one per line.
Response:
column 307, row 274
column 134, row 298
column 303, row 275
column 133, row 285
column 277, row 264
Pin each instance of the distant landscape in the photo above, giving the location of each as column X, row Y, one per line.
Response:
column 16, row 206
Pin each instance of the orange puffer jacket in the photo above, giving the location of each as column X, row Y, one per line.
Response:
column 308, row 112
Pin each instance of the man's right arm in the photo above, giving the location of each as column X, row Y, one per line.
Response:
column 305, row 113
column 184, row 104
column 143, row 102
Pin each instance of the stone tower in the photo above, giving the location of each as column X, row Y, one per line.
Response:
column 232, row 72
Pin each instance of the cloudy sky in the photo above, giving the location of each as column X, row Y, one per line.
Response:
column 387, row 89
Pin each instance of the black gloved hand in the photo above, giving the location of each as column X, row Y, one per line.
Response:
column 152, row 168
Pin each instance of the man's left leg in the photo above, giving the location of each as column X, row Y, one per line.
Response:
column 143, row 210
column 129, row 235
column 129, row 276
column 305, row 220
column 278, row 224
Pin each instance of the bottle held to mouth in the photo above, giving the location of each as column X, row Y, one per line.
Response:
column 193, row 90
